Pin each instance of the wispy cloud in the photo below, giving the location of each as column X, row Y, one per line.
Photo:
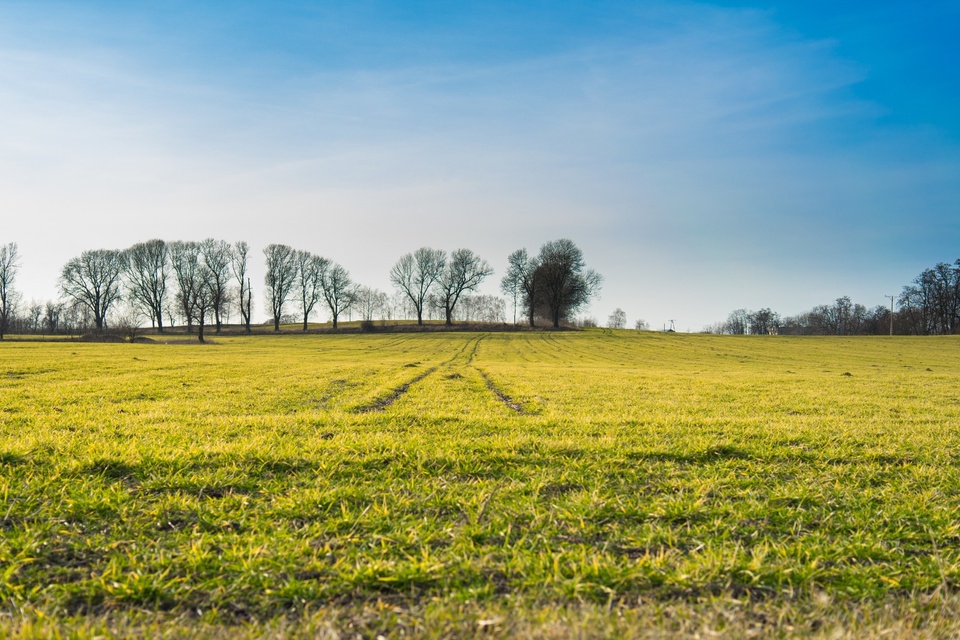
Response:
column 706, row 139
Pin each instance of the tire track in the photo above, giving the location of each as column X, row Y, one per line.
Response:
column 497, row 391
column 491, row 385
column 473, row 352
column 381, row 403
column 385, row 401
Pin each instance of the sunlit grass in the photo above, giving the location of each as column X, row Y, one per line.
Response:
column 525, row 481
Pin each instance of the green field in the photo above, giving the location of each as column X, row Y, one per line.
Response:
column 538, row 484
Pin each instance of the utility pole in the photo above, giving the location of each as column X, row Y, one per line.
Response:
column 891, row 312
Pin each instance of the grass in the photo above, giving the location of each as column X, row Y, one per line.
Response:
column 590, row 484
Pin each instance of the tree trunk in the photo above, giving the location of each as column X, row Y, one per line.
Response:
column 189, row 316
column 335, row 321
column 200, row 328
column 420, row 317
column 276, row 323
column 449, row 313
column 246, row 319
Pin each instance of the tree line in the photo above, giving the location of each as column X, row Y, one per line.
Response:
column 929, row 305
column 842, row 317
column 200, row 283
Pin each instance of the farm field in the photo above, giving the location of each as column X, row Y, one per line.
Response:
column 537, row 484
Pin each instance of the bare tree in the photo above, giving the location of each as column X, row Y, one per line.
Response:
column 737, row 323
column 128, row 322
column 239, row 264
column 338, row 291
column 841, row 313
column 281, row 273
column 764, row 322
column 520, row 283
column 641, row 325
column 51, row 316
column 843, row 317
column 185, row 261
column 9, row 265
column 931, row 305
column 76, row 318
column 617, row 319
column 415, row 273
column 308, row 281
column 401, row 308
column 147, row 270
column 482, row 308
column 370, row 302
column 463, row 272
column 565, row 282
column 204, row 296
column 217, row 257
column 197, row 284
column 35, row 316
column 93, row 280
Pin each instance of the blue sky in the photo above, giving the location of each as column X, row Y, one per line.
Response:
column 705, row 156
